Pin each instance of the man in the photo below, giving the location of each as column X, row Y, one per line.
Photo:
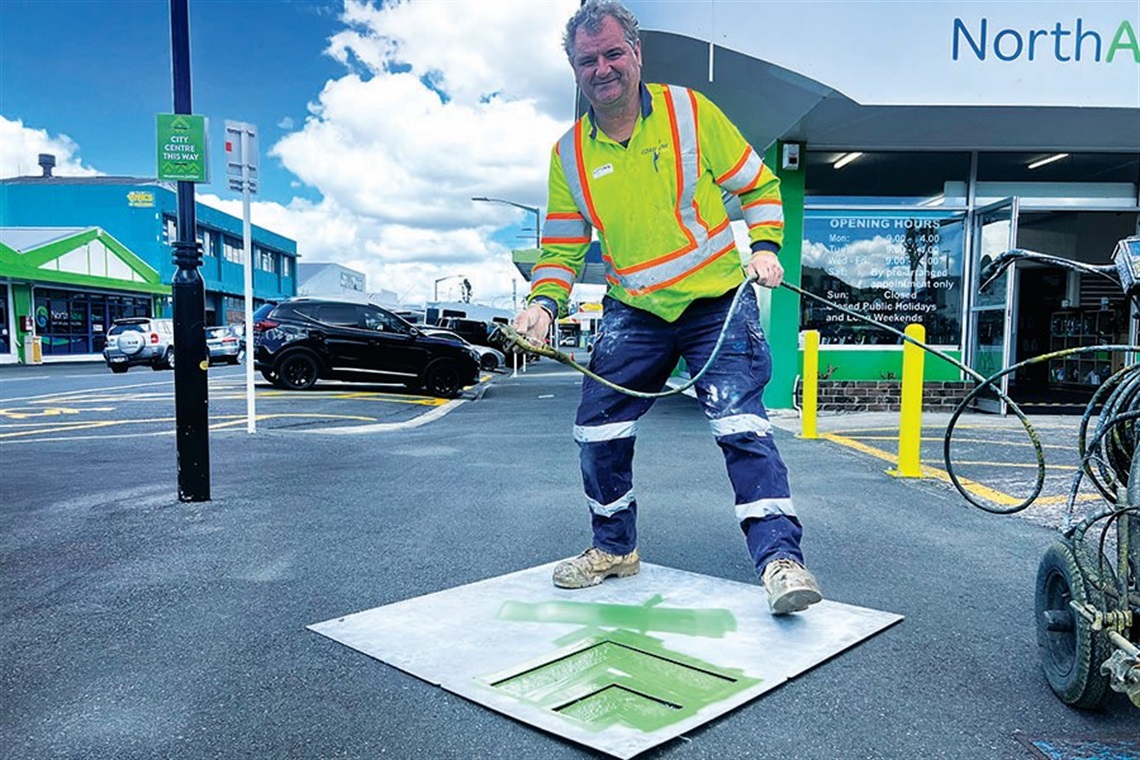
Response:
column 645, row 167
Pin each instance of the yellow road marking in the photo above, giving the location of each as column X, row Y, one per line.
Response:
column 235, row 419
column 940, row 439
column 975, row 488
column 49, row 411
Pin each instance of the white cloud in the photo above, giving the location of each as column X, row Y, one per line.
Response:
column 21, row 146
column 435, row 107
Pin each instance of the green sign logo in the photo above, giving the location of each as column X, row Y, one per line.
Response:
column 182, row 148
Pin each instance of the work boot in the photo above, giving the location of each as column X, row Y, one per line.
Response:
column 593, row 566
column 791, row 587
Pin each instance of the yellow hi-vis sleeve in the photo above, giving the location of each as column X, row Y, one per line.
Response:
column 737, row 168
column 565, row 238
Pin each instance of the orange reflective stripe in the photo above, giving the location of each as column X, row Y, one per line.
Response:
column 739, row 165
column 566, row 241
column 679, row 173
column 672, row 281
column 580, row 157
column 551, row 280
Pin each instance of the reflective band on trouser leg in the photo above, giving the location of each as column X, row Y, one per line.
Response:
column 607, row 432
column 608, row 510
column 765, row 508
column 741, row 423
column 607, row 478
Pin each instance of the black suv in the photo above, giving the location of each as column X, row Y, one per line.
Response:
column 301, row 340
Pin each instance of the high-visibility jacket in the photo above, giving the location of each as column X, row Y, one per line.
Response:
column 656, row 204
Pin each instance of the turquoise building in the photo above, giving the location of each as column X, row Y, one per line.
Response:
column 131, row 222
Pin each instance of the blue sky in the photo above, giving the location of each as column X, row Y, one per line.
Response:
column 99, row 71
column 377, row 121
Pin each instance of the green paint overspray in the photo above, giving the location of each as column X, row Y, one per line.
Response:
column 622, row 677
column 712, row 623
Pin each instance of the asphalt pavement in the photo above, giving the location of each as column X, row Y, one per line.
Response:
column 136, row 626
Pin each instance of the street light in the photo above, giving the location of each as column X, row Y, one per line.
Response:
column 442, row 279
column 530, row 209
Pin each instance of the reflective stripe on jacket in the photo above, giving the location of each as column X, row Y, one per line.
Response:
column 656, row 205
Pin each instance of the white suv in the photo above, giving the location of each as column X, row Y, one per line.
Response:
column 140, row 340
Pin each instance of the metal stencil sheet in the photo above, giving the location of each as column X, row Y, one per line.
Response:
column 518, row 645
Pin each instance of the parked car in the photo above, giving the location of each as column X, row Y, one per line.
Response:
column 490, row 359
column 140, row 340
column 302, row 340
column 225, row 344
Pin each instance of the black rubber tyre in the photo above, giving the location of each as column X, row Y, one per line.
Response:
column 1071, row 652
column 441, row 378
column 119, row 369
column 166, row 361
column 489, row 363
column 273, row 379
column 297, row 371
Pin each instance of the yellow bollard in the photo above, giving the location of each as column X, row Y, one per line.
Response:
column 910, row 414
column 808, row 427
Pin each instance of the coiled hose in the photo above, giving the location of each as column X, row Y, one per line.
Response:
column 1110, row 448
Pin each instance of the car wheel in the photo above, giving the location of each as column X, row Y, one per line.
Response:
column 118, row 369
column 166, row 361
column 442, row 379
column 1071, row 652
column 298, row 371
column 272, row 378
column 489, row 363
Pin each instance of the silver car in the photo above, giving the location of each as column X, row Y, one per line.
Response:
column 489, row 359
column 225, row 344
column 140, row 340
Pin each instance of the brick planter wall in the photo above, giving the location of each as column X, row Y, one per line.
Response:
column 883, row 395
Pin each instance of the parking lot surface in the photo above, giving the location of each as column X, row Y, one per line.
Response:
column 136, row 626
column 73, row 402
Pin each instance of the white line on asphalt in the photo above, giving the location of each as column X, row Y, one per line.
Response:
column 63, row 394
column 384, row 427
column 7, row 380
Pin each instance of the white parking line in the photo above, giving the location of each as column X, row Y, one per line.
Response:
column 63, row 394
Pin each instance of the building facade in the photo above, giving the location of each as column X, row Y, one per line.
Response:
column 916, row 141
column 139, row 215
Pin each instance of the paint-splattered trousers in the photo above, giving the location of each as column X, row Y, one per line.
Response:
column 638, row 350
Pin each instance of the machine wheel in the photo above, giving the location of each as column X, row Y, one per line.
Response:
column 298, row 371
column 441, row 378
column 1071, row 652
column 488, row 363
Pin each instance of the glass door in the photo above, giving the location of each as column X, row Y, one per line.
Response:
column 993, row 231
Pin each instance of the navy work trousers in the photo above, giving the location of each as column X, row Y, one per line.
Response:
column 638, row 350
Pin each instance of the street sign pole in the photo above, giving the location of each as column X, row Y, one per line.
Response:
column 247, row 241
column 191, row 402
column 241, row 168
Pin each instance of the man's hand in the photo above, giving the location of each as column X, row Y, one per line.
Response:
column 764, row 268
column 533, row 323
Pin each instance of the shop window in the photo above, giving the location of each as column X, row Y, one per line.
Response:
column 286, row 266
column 75, row 322
column 897, row 267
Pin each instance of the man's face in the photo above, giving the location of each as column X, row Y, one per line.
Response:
column 608, row 70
